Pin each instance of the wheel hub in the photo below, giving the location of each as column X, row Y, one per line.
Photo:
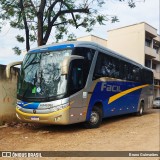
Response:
column 94, row 117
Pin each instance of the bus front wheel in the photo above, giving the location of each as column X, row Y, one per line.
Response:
column 95, row 118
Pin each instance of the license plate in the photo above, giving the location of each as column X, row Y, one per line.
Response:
column 35, row 118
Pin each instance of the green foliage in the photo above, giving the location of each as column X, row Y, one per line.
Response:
column 71, row 37
column 115, row 19
column 20, row 38
column 16, row 50
column 100, row 19
column 32, row 38
column 59, row 36
column 38, row 17
column 131, row 3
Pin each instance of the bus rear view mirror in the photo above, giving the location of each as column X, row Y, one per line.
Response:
column 66, row 63
column 8, row 67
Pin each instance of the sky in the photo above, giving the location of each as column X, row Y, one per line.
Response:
column 147, row 11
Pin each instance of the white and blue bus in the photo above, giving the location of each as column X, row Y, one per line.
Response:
column 76, row 82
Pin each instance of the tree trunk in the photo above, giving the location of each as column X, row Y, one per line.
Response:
column 25, row 25
column 27, row 38
column 48, row 32
column 40, row 22
column 40, row 29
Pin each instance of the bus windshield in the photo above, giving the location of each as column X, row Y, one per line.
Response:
column 40, row 75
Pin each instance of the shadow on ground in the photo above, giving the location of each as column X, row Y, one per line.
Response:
column 79, row 126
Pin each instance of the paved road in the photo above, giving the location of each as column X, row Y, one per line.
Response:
column 123, row 133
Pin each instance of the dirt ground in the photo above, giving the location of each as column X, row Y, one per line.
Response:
column 122, row 133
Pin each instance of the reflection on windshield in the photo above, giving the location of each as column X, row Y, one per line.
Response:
column 41, row 75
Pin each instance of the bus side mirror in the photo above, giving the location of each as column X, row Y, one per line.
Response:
column 66, row 63
column 8, row 67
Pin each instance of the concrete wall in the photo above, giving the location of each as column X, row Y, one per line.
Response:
column 92, row 38
column 7, row 95
column 128, row 41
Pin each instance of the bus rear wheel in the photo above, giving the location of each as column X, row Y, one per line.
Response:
column 95, row 118
column 141, row 109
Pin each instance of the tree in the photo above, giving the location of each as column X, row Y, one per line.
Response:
column 38, row 17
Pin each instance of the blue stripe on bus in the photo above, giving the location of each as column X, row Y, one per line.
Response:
column 123, row 105
column 27, row 105
column 52, row 48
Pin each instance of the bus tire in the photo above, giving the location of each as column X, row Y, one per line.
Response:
column 95, row 118
column 141, row 109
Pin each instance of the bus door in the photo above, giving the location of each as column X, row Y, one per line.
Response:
column 76, row 84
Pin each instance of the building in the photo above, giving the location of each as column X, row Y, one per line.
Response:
column 93, row 38
column 139, row 42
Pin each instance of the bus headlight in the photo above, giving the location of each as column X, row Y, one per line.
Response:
column 60, row 107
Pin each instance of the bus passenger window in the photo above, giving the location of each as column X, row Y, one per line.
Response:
column 87, row 53
column 76, row 76
column 107, row 66
column 136, row 74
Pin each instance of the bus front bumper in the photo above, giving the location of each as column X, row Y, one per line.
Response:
column 59, row 117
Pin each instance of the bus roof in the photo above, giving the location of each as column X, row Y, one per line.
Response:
column 93, row 45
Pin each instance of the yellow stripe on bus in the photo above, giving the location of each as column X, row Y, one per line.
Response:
column 121, row 94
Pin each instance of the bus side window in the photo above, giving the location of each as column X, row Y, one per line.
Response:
column 147, row 76
column 130, row 72
column 76, row 76
column 123, row 71
column 136, row 74
column 106, row 66
column 98, row 71
column 87, row 53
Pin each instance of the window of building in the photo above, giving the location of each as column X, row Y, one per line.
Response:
column 154, row 66
column 148, row 42
column 148, row 63
column 155, row 82
column 156, row 48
